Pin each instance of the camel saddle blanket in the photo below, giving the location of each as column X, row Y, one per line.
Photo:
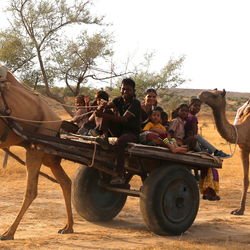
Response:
column 242, row 112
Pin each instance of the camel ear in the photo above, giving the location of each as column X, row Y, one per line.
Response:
column 223, row 92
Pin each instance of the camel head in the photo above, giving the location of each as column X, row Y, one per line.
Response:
column 213, row 98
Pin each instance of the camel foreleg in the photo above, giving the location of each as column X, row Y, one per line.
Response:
column 245, row 164
column 33, row 162
column 65, row 183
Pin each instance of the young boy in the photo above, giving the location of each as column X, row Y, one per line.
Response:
column 191, row 130
column 125, row 125
column 209, row 179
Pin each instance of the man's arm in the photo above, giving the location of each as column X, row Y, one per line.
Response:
column 114, row 118
column 129, row 113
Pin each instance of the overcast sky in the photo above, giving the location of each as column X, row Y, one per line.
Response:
column 212, row 34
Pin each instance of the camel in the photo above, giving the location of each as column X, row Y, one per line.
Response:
column 23, row 103
column 238, row 134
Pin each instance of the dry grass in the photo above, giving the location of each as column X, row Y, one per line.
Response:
column 214, row 227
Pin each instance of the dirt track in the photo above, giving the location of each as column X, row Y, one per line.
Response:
column 213, row 228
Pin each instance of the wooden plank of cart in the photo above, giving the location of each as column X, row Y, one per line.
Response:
column 169, row 196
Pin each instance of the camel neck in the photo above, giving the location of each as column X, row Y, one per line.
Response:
column 226, row 130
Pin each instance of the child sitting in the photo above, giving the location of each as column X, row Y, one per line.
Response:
column 80, row 117
column 158, row 133
column 177, row 124
column 94, row 123
column 191, row 131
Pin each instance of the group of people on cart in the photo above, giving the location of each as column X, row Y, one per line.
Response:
column 130, row 121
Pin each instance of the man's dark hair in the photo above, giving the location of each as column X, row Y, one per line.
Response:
column 194, row 100
column 129, row 81
column 101, row 94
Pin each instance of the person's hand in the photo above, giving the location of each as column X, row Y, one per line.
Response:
column 104, row 103
column 102, row 106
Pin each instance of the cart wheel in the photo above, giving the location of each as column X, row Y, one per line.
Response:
column 170, row 200
column 93, row 202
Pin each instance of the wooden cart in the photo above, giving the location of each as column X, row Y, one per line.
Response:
column 169, row 195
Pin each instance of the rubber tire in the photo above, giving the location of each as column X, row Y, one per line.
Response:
column 91, row 201
column 170, row 200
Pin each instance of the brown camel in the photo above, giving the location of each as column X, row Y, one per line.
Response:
column 239, row 134
column 25, row 104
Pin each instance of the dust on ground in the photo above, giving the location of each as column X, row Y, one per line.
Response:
column 214, row 227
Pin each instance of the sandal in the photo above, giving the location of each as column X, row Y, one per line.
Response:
column 209, row 194
column 214, row 198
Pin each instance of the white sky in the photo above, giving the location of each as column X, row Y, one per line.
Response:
column 212, row 34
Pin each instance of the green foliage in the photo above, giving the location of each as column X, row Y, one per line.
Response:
column 170, row 101
column 78, row 57
column 37, row 33
column 37, row 47
column 170, row 76
column 113, row 92
column 15, row 52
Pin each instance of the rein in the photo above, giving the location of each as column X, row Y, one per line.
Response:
column 35, row 121
column 9, row 127
column 6, row 112
column 236, row 142
column 7, row 109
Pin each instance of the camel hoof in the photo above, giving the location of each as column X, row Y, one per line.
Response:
column 66, row 231
column 237, row 212
column 6, row 237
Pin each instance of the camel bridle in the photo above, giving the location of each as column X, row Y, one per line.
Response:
column 7, row 109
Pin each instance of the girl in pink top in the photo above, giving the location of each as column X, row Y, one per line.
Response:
column 176, row 126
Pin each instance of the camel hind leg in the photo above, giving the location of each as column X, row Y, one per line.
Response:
column 245, row 163
column 54, row 163
column 33, row 163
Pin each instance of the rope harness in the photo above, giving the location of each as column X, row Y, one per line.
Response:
column 36, row 121
column 6, row 117
column 236, row 142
